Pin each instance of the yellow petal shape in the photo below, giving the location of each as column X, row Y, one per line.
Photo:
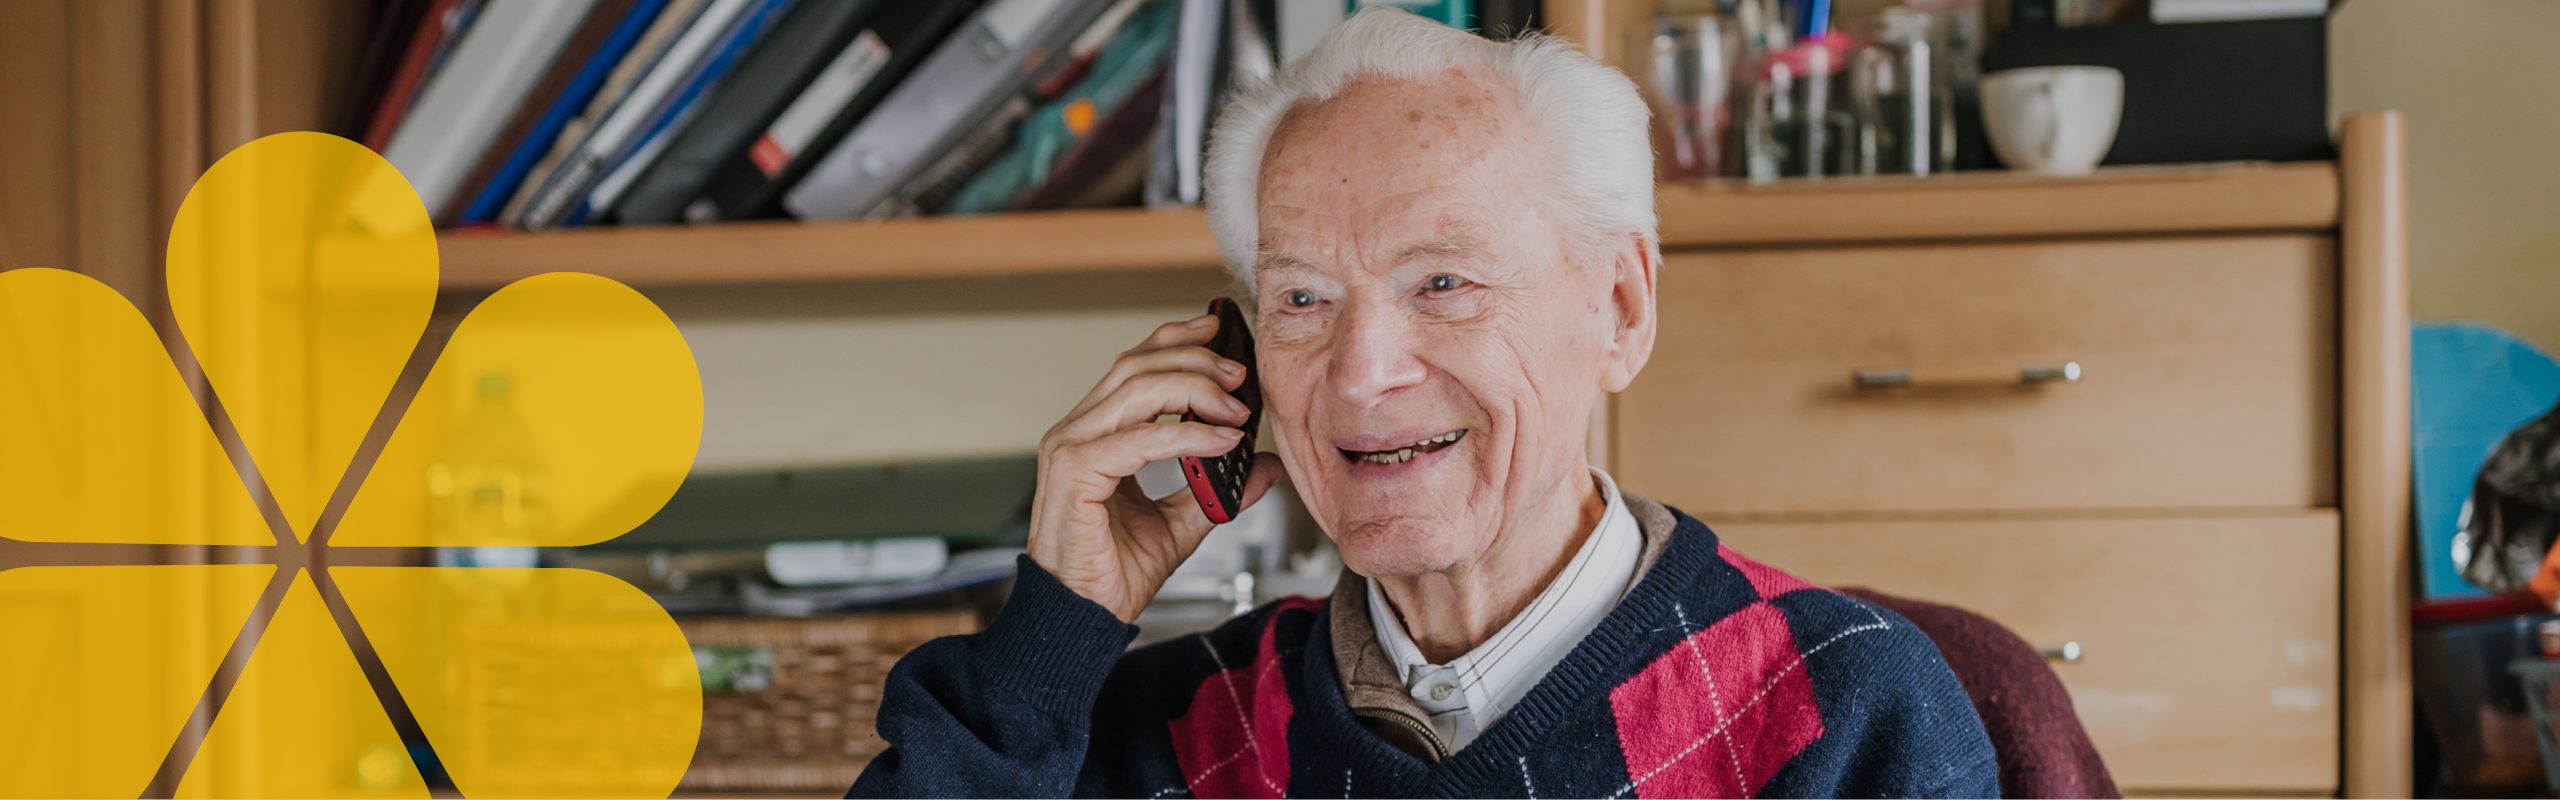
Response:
column 535, row 682
column 564, row 411
column 301, row 310
column 102, row 441
column 302, row 721
column 104, row 665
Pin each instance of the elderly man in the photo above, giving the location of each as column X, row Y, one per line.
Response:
column 1449, row 246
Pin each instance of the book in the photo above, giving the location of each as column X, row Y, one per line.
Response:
column 1220, row 43
column 613, row 137
column 490, row 72
column 673, row 21
column 610, row 21
column 680, row 108
column 1506, row 19
column 456, row 25
column 1010, row 45
column 766, row 80
column 557, row 115
column 1173, row 172
column 1303, row 24
column 1108, row 166
column 1251, row 56
column 930, row 189
column 1136, row 50
column 749, row 185
column 438, row 21
column 2183, row 11
column 393, row 24
column 1453, row 13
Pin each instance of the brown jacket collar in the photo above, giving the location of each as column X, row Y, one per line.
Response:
column 1370, row 684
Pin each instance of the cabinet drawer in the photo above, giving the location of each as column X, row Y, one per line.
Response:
column 2208, row 645
column 2208, row 375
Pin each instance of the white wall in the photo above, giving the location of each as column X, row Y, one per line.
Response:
column 2480, row 86
column 878, row 372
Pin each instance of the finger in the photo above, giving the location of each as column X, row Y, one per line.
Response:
column 1228, row 373
column 1121, row 454
column 1196, row 330
column 1144, row 398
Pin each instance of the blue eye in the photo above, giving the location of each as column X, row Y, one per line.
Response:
column 1300, row 298
column 1444, row 282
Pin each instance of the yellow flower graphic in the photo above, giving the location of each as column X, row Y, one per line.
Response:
column 563, row 410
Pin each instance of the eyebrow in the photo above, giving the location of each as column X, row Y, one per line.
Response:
column 1271, row 260
column 1457, row 247
column 1463, row 239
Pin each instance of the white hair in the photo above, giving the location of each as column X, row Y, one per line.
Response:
column 1587, row 115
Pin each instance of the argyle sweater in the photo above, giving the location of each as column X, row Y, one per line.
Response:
column 1715, row 676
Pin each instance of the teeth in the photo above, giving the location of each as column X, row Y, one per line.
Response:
column 1406, row 453
column 1440, row 439
column 1391, row 457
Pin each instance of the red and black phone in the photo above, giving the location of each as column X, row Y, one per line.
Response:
column 1218, row 482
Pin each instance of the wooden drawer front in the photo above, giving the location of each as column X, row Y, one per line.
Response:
column 2209, row 646
column 2210, row 373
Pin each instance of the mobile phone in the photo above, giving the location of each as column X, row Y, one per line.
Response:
column 1218, row 482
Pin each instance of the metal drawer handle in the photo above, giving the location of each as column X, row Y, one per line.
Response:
column 2032, row 375
column 2067, row 653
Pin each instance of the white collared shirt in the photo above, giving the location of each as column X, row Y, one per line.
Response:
column 1469, row 693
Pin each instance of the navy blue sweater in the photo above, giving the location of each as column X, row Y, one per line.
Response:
column 1715, row 676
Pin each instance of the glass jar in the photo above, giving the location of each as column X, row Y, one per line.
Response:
column 1904, row 108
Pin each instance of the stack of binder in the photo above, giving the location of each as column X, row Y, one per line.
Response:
column 543, row 114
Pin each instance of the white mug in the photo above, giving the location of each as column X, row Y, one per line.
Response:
column 2054, row 120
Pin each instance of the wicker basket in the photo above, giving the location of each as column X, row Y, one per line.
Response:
column 803, row 723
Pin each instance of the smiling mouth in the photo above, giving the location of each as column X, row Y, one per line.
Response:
column 1408, row 452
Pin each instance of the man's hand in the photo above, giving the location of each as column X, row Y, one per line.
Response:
column 1091, row 525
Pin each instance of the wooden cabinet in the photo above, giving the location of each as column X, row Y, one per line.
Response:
column 2174, row 436
column 2078, row 374
column 2227, row 680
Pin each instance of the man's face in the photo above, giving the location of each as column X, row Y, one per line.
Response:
column 1414, row 285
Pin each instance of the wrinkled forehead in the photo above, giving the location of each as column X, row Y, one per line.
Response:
column 1396, row 157
column 1432, row 130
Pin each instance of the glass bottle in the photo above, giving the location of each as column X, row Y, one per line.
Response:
column 490, row 485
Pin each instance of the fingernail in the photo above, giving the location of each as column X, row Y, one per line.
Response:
column 1199, row 320
column 1238, row 407
column 1231, row 433
column 1230, row 367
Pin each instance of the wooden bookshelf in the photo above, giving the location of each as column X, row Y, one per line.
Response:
column 2243, row 197
column 2231, row 197
column 751, row 253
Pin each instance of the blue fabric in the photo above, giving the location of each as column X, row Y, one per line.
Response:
column 2470, row 384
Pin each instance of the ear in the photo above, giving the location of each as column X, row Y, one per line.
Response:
column 1632, row 265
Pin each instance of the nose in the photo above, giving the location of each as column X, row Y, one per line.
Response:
column 1376, row 351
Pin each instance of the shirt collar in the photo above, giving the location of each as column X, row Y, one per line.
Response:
column 1477, row 688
